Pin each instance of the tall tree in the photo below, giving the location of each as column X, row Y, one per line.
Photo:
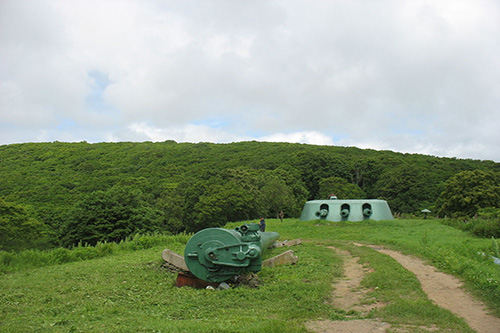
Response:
column 315, row 166
column 275, row 195
column 340, row 187
column 468, row 191
column 213, row 205
column 111, row 216
column 18, row 230
column 365, row 172
column 407, row 188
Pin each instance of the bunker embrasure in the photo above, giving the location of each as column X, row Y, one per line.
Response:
column 346, row 210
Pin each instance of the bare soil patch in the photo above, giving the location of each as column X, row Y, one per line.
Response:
column 350, row 326
column 447, row 292
column 348, row 295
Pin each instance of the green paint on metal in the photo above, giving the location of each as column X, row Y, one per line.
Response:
column 217, row 254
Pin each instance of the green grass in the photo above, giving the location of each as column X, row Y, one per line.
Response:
column 12, row 261
column 407, row 304
column 450, row 250
column 128, row 291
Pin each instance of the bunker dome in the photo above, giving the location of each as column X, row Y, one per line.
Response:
column 346, row 210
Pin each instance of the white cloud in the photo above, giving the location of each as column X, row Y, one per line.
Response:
column 412, row 75
column 185, row 133
column 203, row 133
column 310, row 137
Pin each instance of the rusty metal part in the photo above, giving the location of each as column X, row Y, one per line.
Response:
column 189, row 280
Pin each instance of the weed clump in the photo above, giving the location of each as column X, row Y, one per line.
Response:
column 17, row 261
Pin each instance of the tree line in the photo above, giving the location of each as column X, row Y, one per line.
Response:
column 61, row 194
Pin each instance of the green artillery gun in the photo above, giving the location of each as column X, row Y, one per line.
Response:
column 217, row 254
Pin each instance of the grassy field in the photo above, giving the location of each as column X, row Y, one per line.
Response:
column 128, row 291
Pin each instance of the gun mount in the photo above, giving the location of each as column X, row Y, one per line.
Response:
column 217, row 254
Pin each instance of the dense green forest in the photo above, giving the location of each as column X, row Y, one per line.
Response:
column 62, row 194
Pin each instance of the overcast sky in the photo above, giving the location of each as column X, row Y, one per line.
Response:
column 409, row 76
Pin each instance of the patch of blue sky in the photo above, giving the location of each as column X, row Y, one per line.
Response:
column 256, row 133
column 411, row 125
column 65, row 124
column 406, row 131
column 335, row 136
column 9, row 125
column 100, row 79
column 214, row 122
column 94, row 100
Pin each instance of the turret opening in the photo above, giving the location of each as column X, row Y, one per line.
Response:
column 323, row 211
column 345, row 209
column 367, row 210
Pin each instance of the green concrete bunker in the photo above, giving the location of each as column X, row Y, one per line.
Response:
column 353, row 210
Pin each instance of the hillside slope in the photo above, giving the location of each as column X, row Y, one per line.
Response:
column 187, row 186
column 130, row 292
column 58, row 173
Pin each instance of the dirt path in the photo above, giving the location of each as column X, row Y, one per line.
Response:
column 348, row 295
column 445, row 290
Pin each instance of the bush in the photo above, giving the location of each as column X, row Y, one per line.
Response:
column 484, row 228
column 495, row 248
column 145, row 242
column 85, row 252
column 6, row 258
column 468, row 192
column 489, row 213
column 111, row 216
column 104, row 249
column 12, row 261
column 18, row 230
column 61, row 255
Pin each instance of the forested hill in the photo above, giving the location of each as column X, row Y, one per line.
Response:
column 178, row 186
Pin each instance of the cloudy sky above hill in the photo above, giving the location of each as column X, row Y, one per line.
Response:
column 409, row 75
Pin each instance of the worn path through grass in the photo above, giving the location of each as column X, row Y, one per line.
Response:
column 447, row 292
column 129, row 291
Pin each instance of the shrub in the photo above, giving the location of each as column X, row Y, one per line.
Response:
column 104, row 249
column 495, row 248
column 484, row 228
column 85, row 252
column 61, row 255
column 6, row 258
column 489, row 213
column 469, row 191
column 111, row 216
column 12, row 261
